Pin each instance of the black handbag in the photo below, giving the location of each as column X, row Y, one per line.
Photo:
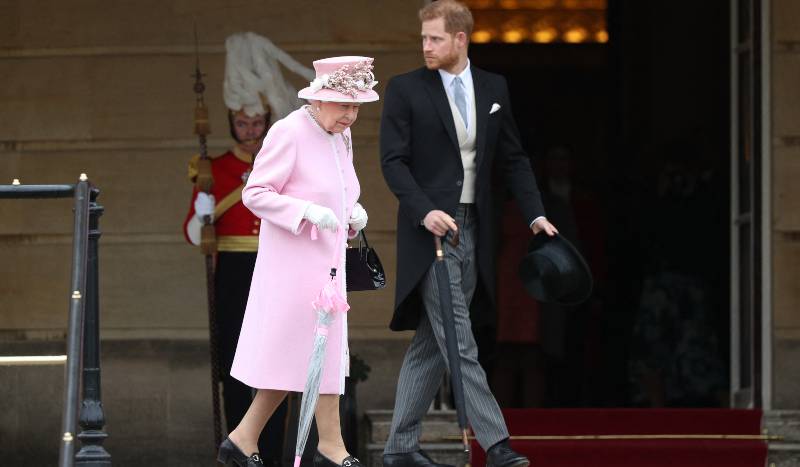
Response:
column 363, row 267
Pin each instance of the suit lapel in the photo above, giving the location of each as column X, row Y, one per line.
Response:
column 433, row 83
column 482, row 114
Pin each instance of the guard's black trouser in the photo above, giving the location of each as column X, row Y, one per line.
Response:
column 234, row 272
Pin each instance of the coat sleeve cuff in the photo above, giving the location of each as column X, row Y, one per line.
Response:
column 534, row 221
column 299, row 223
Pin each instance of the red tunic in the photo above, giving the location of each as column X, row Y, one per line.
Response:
column 237, row 228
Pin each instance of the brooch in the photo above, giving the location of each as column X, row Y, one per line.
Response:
column 346, row 143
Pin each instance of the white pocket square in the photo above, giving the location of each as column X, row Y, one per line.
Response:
column 495, row 108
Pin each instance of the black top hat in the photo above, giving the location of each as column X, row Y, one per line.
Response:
column 554, row 271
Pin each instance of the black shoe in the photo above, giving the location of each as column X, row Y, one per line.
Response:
column 230, row 454
column 322, row 461
column 411, row 459
column 501, row 455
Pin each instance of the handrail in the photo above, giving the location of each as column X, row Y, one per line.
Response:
column 92, row 436
column 36, row 191
column 82, row 366
column 80, row 247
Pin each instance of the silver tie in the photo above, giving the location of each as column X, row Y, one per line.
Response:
column 461, row 99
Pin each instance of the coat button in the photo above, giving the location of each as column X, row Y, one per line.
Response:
column 459, row 183
column 255, row 231
column 257, row 222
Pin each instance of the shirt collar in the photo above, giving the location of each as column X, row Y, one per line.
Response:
column 465, row 75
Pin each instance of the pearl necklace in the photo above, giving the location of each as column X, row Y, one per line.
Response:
column 316, row 120
column 345, row 139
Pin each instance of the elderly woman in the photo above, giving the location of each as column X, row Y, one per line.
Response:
column 304, row 188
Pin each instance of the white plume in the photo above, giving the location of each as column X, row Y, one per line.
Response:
column 252, row 66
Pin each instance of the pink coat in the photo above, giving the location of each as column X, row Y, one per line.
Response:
column 298, row 164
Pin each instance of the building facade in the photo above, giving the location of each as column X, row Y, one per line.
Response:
column 107, row 90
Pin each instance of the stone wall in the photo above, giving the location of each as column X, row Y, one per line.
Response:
column 784, row 419
column 156, row 398
column 785, row 73
column 107, row 89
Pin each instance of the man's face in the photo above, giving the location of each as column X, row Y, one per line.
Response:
column 249, row 130
column 440, row 48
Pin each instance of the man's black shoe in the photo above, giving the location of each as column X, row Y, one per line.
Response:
column 501, row 455
column 410, row 459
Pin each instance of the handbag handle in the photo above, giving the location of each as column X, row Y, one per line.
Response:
column 363, row 236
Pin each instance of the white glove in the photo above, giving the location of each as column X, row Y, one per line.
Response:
column 204, row 206
column 358, row 218
column 322, row 217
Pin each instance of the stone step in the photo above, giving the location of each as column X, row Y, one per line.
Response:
column 445, row 453
column 437, row 426
column 784, row 423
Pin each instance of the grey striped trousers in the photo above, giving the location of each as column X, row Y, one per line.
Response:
column 426, row 359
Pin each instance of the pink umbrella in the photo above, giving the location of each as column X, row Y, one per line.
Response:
column 329, row 301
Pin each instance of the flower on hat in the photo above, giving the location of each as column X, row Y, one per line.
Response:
column 349, row 79
column 319, row 83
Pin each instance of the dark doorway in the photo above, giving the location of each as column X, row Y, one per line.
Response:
column 634, row 135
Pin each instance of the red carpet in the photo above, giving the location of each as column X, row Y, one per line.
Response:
column 642, row 452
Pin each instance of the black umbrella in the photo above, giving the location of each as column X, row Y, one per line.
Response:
column 450, row 339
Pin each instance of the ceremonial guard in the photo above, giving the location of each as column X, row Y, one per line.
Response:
column 255, row 95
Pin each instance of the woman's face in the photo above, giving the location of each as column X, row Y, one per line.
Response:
column 336, row 116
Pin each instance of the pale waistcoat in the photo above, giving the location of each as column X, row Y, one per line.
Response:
column 466, row 144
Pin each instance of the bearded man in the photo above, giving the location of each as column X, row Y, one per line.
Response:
column 444, row 128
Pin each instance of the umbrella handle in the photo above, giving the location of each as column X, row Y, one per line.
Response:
column 451, row 237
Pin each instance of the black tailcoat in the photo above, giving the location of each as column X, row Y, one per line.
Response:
column 421, row 162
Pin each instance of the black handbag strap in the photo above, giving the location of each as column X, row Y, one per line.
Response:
column 363, row 237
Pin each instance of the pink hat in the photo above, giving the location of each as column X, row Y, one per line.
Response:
column 342, row 79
